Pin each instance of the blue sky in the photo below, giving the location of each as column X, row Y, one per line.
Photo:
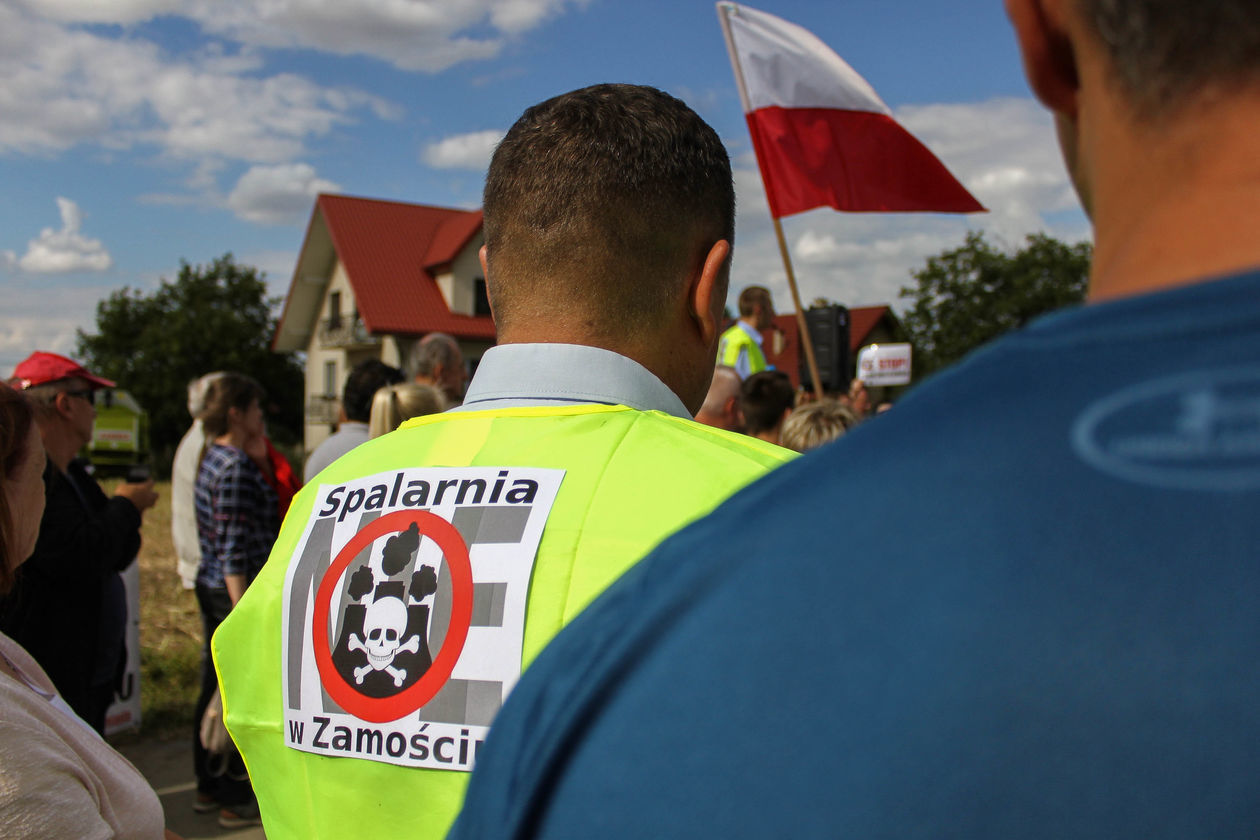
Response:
column 136, row 133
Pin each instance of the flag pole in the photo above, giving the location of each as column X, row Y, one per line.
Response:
column 725, row 9
column 801, row 323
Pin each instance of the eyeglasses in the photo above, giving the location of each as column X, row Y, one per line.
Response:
column 86, row 394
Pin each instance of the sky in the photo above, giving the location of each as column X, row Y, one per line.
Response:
column 136, row 134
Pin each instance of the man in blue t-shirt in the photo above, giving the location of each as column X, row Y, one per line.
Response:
column 1043, row 619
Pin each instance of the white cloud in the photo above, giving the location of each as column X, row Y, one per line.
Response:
column 276, row 265
column 1003, row 150
column 463, row 151
column 278, row 195
column 45, row 313
column 63, row 86
column 62, row 251
column 52, row 332
column 427, row 35
column 515, row 16
column 94, row 11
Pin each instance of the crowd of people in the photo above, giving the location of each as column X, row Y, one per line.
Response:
column 1023, row 604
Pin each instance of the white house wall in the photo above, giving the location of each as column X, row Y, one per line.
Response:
column 456, row 284
column 318, row 356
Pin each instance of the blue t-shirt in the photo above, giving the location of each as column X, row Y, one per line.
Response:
column 1024, row 603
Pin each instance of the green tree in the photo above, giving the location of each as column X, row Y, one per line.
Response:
column 213, row 317
column 972, row 294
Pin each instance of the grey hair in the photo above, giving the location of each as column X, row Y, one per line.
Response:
column 197, row 392
column 434, row 349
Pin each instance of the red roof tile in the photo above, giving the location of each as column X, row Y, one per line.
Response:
column 388, row 249
column 862, row 319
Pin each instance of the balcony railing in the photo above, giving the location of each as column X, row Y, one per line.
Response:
column 345, row 332
column 322, row 408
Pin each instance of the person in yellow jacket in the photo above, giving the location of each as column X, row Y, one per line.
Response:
column 417, row 576
column 740, row 346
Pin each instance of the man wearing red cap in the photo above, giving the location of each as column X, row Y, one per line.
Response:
column 68, row 608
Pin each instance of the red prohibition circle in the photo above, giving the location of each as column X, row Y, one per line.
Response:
column 385, row 709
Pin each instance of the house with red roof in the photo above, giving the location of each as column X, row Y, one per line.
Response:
column 372, row 278
column 867, row 325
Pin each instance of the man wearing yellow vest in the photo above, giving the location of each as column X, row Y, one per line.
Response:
column 416, row 576
column 740, row 346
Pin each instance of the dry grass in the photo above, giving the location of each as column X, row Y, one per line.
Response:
column 170, row 629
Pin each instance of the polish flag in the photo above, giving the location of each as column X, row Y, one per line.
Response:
column 822, row 136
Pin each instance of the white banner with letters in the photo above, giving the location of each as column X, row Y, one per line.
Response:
column 884, row 364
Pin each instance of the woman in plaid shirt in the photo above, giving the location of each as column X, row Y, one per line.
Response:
column 237, row 521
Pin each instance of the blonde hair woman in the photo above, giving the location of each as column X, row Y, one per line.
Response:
column 395, row 403
column 811, row 425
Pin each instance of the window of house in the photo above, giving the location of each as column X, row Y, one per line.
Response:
column 334, row 310
column 481, row 300
column 330, row 379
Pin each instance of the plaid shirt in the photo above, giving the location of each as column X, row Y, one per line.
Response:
column 237, row 516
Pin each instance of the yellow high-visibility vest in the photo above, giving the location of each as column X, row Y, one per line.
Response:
column 630, row 479
column 733, row 341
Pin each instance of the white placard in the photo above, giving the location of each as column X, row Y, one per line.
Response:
column 404, row 611
column 884, row 364
column 124, row 712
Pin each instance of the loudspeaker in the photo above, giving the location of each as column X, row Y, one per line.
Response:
column 829, row 333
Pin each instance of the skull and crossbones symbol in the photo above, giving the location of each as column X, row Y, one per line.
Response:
column 383, row 628
column 387, row 609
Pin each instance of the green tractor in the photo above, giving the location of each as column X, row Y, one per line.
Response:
column 120, row 435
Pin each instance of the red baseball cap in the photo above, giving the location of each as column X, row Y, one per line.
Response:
column 41, row 367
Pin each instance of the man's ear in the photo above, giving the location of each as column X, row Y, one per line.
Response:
column 707, row 293
column 1046, row 44
column 485, row 275
column 61, row 402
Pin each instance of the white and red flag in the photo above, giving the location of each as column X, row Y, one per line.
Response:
column 822, row 136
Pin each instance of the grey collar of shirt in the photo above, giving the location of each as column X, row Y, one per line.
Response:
column 515, row 375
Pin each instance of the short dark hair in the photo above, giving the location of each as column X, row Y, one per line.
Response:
column 1165, row 53
column 231, row 390
column 364, row 380
column 763, row 398
column 16, row 418
column 750, row 297
column 597, row 201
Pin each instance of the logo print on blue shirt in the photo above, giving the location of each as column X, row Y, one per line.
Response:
column 1194, row 431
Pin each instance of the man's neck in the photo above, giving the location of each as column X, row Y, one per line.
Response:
column 59, row 448
column 1182, row 209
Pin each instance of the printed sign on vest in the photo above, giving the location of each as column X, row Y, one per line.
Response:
column 404, row 611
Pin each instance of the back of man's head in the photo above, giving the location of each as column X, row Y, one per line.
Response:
column 435, row 350
column 437, row 360
column 361, row 385
column 765, row 398
column 597, row 204
column 1166, row 53
column 750, row 297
